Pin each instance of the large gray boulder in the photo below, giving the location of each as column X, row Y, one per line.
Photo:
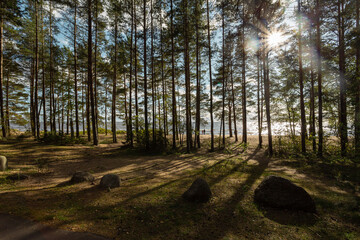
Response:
column 3, row 163
column 79, row 177
column 110, row 181
column 199, row 191
column 278, row 192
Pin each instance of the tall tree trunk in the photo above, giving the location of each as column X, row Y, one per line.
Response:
column 187, row 78
column 113, row 108
column 312, row 95
column 95, row 82
column 90, row 75
column 75, row 74
column 174, row 117
column 88, row 110
column 357, row 101
column 319, row 78
column 153, row 97
column 136, row 82
column 37, row 122
column 233, row 101
column 32, row 110
column 106, row 97
column 267, row 101
column 210, row 76
column 7, row 110
column 197, row 127
column 223, row 72
column 258, row 98
column 147, row 144
column 43, row 71
column 301, row 81
column 243, row 73
column 342, row 80
column 164, row 92
column 52, row 94
column 83, row 102
column 2, row 75
column 130, row 133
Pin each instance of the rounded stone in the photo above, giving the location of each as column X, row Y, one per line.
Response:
column 199, row 191
column 278, row 192
column 110, row 181
column 79, row 177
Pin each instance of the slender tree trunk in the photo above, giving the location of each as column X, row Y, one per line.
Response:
column 267, row 102
column 301, row 81
column 2, row 75
column 147, row 143
column 7, row 110
column 106, row 97
column 357, row 81
column 243, row 73
column 125, row 106
column 75, row 74
column 174, row 117
column 210, row 76
column 233, row 101
column 90, row 75
column 37, row 122
column 197, row 127
column 223, row 73
column 258, row 99
column 83, row 102
column 113, row 109
column 187, row 79
column 43, row 72
column 319, row 78
column 342, row 80
column 130, row 133
column 88, row 112
column 153, row 97
column 164, row 92
column 32, row 110
column 136, row 82
column 312, row 96
column 95, row 82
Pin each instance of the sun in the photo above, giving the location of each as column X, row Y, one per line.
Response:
column 275, row 39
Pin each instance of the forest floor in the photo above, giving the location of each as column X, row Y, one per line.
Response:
column 148, row 204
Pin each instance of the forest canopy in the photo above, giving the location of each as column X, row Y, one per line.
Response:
column 164, row 70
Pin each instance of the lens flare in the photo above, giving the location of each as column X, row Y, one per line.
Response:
column 275, row 39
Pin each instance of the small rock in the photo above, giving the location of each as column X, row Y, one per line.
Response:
column 281, row 193
column 3, row 163
column 17, row 176
column 79, row 177
column 110, row 181
column 199, row 191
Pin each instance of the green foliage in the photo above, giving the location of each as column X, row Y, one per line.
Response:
column 159, row 146
column 60, row 139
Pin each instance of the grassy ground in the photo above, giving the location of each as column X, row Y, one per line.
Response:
column 148, row 204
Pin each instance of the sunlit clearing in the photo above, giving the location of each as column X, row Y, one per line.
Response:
column 275, row 39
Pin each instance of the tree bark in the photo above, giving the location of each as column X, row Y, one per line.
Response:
column 210, row 76
column 319, row 78
column 342, row 80
column 90, row 75
column 301, row 82
column 113, row 109
column 2, row 75
column 174, row 117
column 147, row 143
